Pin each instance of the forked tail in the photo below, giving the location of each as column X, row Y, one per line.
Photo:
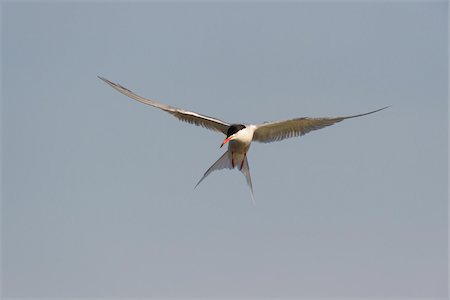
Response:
column 226, row 162
column 246, row 171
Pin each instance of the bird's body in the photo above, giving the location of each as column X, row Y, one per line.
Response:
column 241, row 143
column 239, row 136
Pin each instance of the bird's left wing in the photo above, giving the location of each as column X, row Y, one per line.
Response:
column 181, row 114
column 280, row 130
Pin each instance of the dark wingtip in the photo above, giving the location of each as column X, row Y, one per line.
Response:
column 380, row 109
column 383, row 108
column 368, row 113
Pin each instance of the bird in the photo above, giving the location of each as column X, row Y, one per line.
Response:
column 240, row 136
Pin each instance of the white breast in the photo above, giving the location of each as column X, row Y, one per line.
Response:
column 243, row 139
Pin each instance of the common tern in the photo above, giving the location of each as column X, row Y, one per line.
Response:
column 240, row 136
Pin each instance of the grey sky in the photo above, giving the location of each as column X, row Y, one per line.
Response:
column 97, row 189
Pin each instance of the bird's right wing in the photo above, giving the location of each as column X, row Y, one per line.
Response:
column 181, row 114
column 280, row 130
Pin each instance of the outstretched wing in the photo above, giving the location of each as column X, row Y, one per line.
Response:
column 183, row 115
column 280, row 130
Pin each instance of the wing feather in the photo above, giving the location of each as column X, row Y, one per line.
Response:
column 280, row 130
column 183, row 115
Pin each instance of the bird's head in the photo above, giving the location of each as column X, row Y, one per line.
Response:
column 232, row 133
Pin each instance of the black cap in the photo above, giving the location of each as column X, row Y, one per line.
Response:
column 234, row 128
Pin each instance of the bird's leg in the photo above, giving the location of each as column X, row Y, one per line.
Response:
column 242, row 162
column 232, row 159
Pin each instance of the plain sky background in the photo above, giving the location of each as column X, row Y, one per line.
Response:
column 97, row 189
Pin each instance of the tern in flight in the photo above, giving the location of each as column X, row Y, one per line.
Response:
column 240, row 136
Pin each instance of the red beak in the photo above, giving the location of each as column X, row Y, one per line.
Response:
column 226, row 141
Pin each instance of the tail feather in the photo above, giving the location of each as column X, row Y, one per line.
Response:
column 246, row 171
column 224, row 162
